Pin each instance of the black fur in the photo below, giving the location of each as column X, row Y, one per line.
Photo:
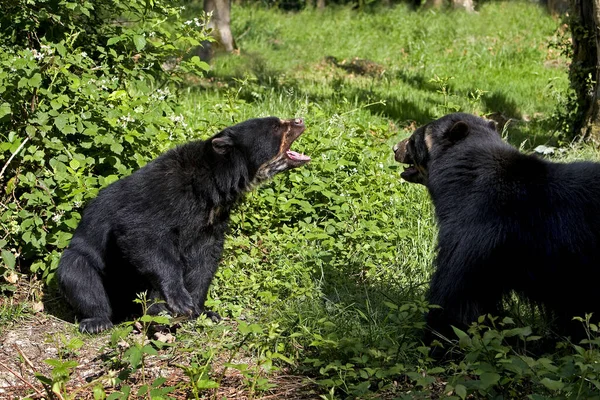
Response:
column 161, row 229
column 508, row 222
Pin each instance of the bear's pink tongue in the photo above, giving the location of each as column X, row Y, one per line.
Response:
column 297, row 156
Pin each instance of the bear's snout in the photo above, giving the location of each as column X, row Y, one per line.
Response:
column 400, row 152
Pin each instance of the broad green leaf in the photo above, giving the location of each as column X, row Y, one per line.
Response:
column 5, row 110
column 199, row 63
column 99, row 393
column 9, row 259
column 489, row 379
column 552, row 384
column 116, row 148
column 61, row 121
column 113, row 40
column 35, row 80
column 74, row 164
column 139, row 41
column 461, row 390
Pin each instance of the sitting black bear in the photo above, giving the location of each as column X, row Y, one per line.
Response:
column 508, row 223
column 161, row 229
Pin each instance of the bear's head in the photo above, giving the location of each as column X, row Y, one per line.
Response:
column 430, row 141
column 263, row 144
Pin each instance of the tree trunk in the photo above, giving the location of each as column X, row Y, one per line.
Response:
column 467, row 5
column 433, row 3
column 220, row 22
column 584, row 72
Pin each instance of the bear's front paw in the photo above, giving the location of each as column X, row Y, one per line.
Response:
column 181, row 303
column 94, row 325
column 213, row 316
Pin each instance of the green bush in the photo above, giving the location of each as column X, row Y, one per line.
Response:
column 87, row 95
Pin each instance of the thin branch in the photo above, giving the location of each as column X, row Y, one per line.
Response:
column 37, row 391
column 25, row 357
column 13, row 156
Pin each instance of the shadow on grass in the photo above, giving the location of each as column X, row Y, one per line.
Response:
column 404, row 110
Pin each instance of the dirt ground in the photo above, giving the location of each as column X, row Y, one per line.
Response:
column 25, row 345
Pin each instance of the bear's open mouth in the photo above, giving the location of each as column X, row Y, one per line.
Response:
column 296, row 128
column 410, row 173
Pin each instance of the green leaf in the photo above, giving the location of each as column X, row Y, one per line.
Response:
column 74, row 164
column 463, row 339
column 142, row 391
column 135, row 355
column 150, row 350
column 139, row 41
column 199, row 63
column 461, row 390
column 489, row 379
column 99, row 393
column 204, row 383
column 61, row 121
column 552, row 384
column 61, row 49
column 35, row 80
column 5, row 110
column 113, row 40
column 116, row 148
column 158, row 381
column 9, row 259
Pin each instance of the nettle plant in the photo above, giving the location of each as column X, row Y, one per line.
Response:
column 87, row 94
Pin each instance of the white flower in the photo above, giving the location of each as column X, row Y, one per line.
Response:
column 83, row 54
column 38, row 55
column 160, row 94
column 176, row 118
column 126, row 119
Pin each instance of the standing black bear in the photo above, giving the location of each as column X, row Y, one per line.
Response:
column 508, row 222
column 162, row 228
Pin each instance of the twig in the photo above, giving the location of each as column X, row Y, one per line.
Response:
column 13, row 156
column 22, row 379
column 24, row 357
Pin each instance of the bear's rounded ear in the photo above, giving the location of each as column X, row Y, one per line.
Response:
column 493, row 125
column 458, row 131
column 222, row 145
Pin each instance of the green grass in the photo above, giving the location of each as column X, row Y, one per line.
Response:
column 502, row 51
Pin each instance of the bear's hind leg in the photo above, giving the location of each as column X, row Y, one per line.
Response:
column 83, row 288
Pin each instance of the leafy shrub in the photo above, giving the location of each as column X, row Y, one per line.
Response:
column 496, row 363
column 88, row 95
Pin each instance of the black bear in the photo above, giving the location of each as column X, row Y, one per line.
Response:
column 161, row 229
column 508, row 223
